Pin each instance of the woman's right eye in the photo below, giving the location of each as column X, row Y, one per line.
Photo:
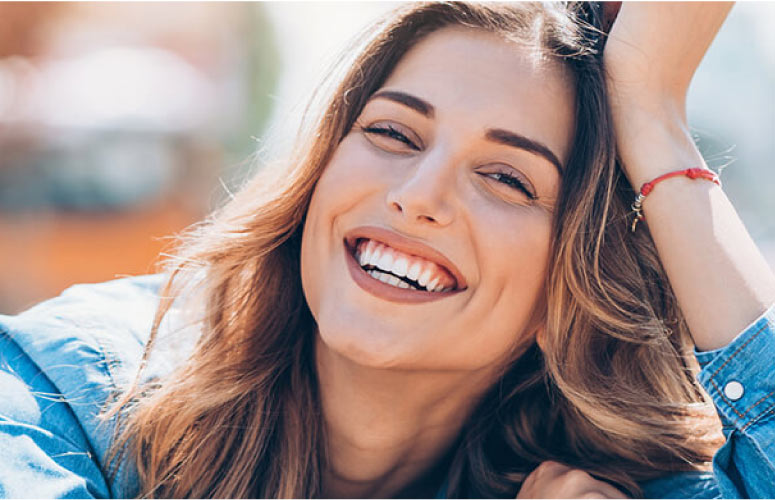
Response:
column 391, row 133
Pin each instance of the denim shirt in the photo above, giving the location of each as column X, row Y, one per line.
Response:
column 61, row 361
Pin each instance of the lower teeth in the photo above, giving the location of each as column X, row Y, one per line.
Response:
column 400, row 284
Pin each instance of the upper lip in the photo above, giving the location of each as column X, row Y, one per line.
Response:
column 406, row 245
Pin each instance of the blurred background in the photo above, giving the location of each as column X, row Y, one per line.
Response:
column 123, row 123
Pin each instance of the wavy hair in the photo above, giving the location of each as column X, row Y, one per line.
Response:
column 609, row 387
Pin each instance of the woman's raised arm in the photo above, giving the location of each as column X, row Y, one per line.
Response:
column 720, row 278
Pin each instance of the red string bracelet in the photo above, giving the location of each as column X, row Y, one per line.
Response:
column 692, row 173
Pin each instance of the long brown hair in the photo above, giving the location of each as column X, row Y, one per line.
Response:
column 610, row 389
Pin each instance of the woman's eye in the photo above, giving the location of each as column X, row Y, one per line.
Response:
column 392, row 133
column 511, row 181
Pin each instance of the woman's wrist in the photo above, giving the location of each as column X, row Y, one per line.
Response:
column 654, row 142
column 719, row 277
column 651, row 55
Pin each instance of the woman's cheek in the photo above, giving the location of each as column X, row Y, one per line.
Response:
column 355, row 168
column 517, row 256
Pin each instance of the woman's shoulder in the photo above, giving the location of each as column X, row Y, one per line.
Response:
column 60, row 363
column 99, row 327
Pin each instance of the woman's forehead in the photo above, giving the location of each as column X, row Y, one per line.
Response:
column 483, row 78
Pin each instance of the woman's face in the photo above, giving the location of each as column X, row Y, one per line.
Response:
column 447, row 181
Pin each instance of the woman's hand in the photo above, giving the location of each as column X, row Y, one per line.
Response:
column 555, row 480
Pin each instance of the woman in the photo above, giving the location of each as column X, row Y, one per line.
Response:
column 442, row 295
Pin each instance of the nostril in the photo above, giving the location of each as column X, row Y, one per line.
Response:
column 417, row 208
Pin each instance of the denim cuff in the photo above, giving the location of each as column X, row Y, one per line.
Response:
column 740, row 377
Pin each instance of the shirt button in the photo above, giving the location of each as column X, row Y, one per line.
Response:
column 734, row 390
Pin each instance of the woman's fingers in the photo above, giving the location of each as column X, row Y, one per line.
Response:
column 555, row 480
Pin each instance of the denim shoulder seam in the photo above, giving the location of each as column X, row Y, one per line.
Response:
column 110, row 471
column 110, row 361
column 61, row 399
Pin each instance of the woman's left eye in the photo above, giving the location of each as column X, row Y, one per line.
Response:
column 511, row 181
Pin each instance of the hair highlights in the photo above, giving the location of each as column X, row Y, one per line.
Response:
column 610, row 389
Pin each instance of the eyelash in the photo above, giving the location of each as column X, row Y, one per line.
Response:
column 391, row 132
column 502, row 177
column 511, row 181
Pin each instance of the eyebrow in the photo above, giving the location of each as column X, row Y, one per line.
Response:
column 500, row 136
column 520, row 141
column 408, row 100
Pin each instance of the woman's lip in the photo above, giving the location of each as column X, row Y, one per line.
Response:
column 406, row 245
column 385, row 291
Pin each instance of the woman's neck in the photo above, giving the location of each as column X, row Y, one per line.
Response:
column 386, row 430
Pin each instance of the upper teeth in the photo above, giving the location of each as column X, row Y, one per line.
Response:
column 424, row 277
column 385, row 262
column 389, row 260
column 414, row 271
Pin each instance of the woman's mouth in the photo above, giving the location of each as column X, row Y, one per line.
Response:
column 400, row 269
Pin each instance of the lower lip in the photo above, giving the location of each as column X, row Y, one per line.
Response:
column 389, row 292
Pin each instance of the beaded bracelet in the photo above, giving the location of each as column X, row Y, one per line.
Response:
column 692, row 173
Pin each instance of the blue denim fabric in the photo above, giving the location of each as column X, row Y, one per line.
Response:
column 61, row 361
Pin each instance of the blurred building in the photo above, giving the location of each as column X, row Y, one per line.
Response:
column 116, row 122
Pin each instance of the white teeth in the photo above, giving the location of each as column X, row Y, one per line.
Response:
column 414, row 271
column 400, row 266
column 381, row 256
column 385, row 262
column 424, row 277
column 363, row 258
column 366, row 251
column 389, row 279
column 376, row 253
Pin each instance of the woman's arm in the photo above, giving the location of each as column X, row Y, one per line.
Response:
column 720, row 278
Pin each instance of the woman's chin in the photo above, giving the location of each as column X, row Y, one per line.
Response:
column 378, row 350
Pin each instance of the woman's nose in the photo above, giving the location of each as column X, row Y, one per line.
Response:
column 425, row 194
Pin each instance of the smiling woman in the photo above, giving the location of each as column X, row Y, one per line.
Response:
column 439, row 294
column 440, row 170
